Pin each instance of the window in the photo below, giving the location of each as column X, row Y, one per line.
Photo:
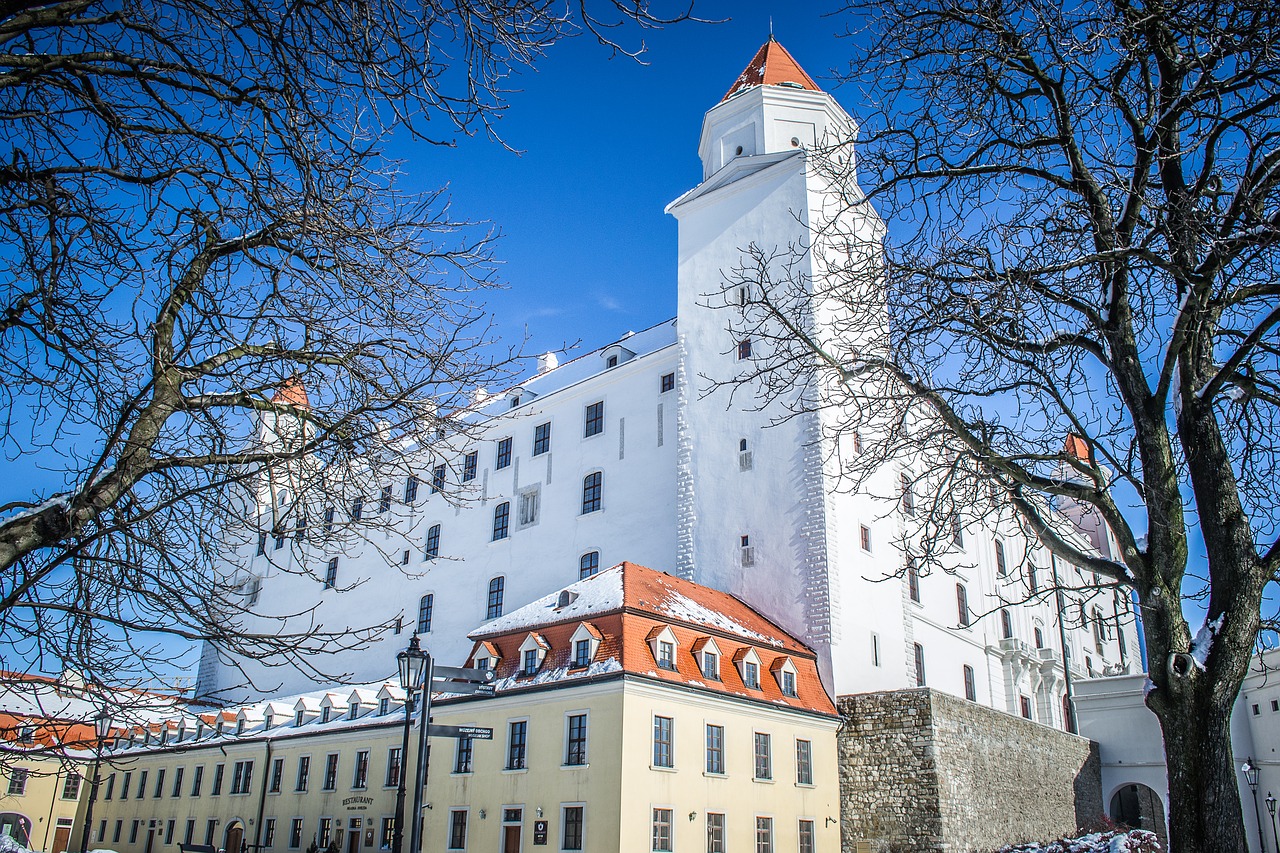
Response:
column 328, row 520
column 588, row 564
column 410, row 489
column 764, row 835
column 262, row 543
column 666, row 654
column 330, row 772
column 517, row 745
column 864, row 534
column 111, row 784
column 662, row 820
column 591, row 492
column 326, row 713
column 1006, row 625
column 331, row 573
column 469, row 463
column 529, row 506
column 279, row 536
column 494, row 609
column 387, row 833
column 957, row 532
column 462, row 755
column 384, row 501
column 611, row 361
column 575, row 754
column 571, row 820
column 711, row 666
column 662, row 754
column 751, row 675
column 593, row 420
column 159, row 790
column 432, row 549
column 1068, row 716
column 913, row 579
column 196, row 779
column 357, row 509
column 124, row 786
column 1039, row 637
column 425, row 606
column 1002, row 568
column 744, row 349
column 962, row 605
column 501, row 521
column 304, row 771
column 210, row 826
column 908, row 496
column 133, row 832
column 268, row 832
column 763, row 755
column 189, row 832
column 804, row 762
column 746, row 554
column 503, row 458
column 1033, row 583
column 807, row 840
column 531, row 661
column 361, row 777
column 458, row 829
column 384, row 706
column 393, row 767
column 437, row 479
column 241, row 776
column 582, row 653
column 323, row 833
column 277, row 776
column 715, row 832
column 18, row 781
column 970, row 685
column 177, row 783
column 919, row 656
column 541, row 438
column 1024, row 703
column 142, row 784
column 115, row 836
column 715, row 749
column 788, row 683
column 666, row 383
column 353, row 711
column 71, row 786
column 295, row 833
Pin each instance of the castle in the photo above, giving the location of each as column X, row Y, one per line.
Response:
column 631, row 452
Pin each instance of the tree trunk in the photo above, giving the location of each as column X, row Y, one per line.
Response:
column 1203, row 789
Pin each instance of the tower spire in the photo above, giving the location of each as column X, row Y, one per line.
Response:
column 772, row 66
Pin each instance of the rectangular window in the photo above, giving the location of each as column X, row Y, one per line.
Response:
column 425, row 605
column 517, row 746
column 666, row 654
column 501, row 521
column 133, row 832
column 913, row 580
column 331, row 573
column 384, row 501
column 788, row 683
column 330, row 772
column 582, row 653
column 1024, row 703
column 277, row 776
column 662, row 830
column 241, row 777
column 410, row 489
column 763, row 756
column 262, row 543
column 142, row 784
column 751, row 675
column 804, row 762
column 711, row 666
column 666, row 383
column 393, row 767
column 908, row 494
column 387, row 834
column 662, row 753
column 541, row 438
column 744, row 349
column 575, row 753
column 503, row 459
column 715, row 749
column 437, row 479
column 71, row 786
column 496, row 588
column 463, row 755
column 715, row 832
column 529, row 507
column 1002, row 568
column 593, row 420
column 325, row 830
column 196, row 779
column 124, row 786
column 764, row 835
column 357, row 509
column 115, row 835
column 189, row 832
column 571, row 820
column 970, row 685
column 304, row 771
column 269, row 832
column 177, row 782
column 159, row 791
column 962, row 605
column 18, row 781
column 591, row 489
column 458, row 829
column 111, row 784
column 432, row 548
column 329, row 513
column 360, row 779
column 469, row 463
column 919, row 656
column 807, row 837
column 295, row 833
column 864, row 534
column 588, row 564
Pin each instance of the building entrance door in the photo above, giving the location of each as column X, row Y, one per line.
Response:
column 511, row 839
column 353, row 836
column 234, row 838
column 61, row 835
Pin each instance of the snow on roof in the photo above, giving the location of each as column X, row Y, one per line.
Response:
column 600, row 593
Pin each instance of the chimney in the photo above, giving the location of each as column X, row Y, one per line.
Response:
column 547, row 361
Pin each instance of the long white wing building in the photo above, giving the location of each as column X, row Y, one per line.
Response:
column 629, row 453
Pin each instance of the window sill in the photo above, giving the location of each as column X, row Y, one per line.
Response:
column 710, row 775
column 662, row 769
column 805, row 785
column 513, row 770
column 762, row 781
column 574, row 766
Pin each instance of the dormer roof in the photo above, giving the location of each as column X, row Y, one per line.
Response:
column 772, row 66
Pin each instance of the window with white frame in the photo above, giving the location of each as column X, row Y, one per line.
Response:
column 715, row 832
column 588, row 564
column 764, row 834
column 807, row 837
column 804, row 762
column 572, row 821
column 715, row 749
column 663, row 755
column 763, row 754
column 575, row 740
column 662, row 831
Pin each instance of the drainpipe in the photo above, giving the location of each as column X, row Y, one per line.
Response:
column 262, row 796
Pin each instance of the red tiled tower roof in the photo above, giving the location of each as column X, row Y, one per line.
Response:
column 771, row 66
column 292, row 393
column 1076, row 446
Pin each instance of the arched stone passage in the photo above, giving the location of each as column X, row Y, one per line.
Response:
column 1140, row 807
column 16, row 826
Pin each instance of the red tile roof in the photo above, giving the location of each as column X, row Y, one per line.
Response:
column 1076, row 446
column 292, row 393
column 771, row 66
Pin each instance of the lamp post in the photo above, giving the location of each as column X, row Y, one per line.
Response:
column 1250, row 772
column 1271, row 810
column 102, row 728
column 413, row 662
column 424, row 754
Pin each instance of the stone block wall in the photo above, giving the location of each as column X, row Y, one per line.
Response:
column 925, row 771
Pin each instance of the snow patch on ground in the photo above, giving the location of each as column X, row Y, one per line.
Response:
column 1113, row 841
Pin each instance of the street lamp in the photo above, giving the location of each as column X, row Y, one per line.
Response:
column 1271, row 810
column 413, row 662
column 1250, row 772
column 102, row 728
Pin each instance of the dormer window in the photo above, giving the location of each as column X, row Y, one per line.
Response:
column 666, row 654
column 325, row 713
column 268, row 720
column 584, row 642
column 384, row 706
column 297, row 717
column 530, row 661
column 27, row 735
column 240, row 727
column 219, row 729
column 749, row 668
column 353, row 711
column 532, row 653
column 483, row 663
column 784, row 672
column 611, row 361
column 200, row 728
column 662, row 643
column 616, row 354
column 707, row 653
column 582, row 653
column 711, row 666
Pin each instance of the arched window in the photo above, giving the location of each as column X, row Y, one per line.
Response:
column 970, row 684
column 425, row 605
column 501, row 521
column 432, row 550
column 913, row 579
column 496, row 588
column 962, row 604
column 591, row 488
column 919, row 650
column 588, row 564
column 1006, row 624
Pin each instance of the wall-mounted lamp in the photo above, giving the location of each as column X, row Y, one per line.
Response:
column 483, row 814
column 426, row 805
column 830, row 821
column 693, row 816
column 538, row 811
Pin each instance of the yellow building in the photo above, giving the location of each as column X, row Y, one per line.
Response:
column 634, row 711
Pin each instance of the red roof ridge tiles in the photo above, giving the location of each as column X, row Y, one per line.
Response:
column 771, row 66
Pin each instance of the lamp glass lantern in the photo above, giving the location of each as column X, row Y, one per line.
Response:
column 1271, row 804
column 1250, row 773
column 413, row 663
column 102, row 724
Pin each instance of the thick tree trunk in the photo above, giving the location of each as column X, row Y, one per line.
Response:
column 1204, row 793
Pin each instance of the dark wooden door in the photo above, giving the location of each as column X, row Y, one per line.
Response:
column 510, row 839
column 61, row 836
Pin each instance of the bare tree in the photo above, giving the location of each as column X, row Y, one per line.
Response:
column 1082, row 220
column 211, row 277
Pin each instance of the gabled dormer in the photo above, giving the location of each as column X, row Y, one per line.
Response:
column 248, row 718
column 615, row 354
column 783, row 670
column 708, row 655
column 306, row 709
column 333, row 707
column 748, row 664
column 533, row 651
column 584, row 644
column 486, row 656
column 360, row 702
column 663, row 645
column 274, row 714
column 390, row 696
